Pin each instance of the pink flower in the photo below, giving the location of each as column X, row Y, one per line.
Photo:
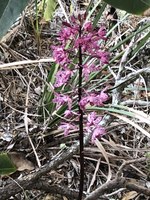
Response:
column 87, row 42
column 66, row 56
column 93, row 122
column 66, row 34
column 94, row 99
column 98, row 132
column 61, row 99
column 92, row 119
column 88, row 26
column 67, row 127
column 68, row 113
column 102, row 33
column 87, row 69
column 90, row 99
column 60, row 55
column 103, row 56
column 62, row 77
column 103, row 96
column 83, row 103
column 100, row 99
column 79, row 42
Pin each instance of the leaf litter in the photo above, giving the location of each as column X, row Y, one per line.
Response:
column 123, row 141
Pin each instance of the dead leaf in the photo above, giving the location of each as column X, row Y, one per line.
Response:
column 20, row 161
column 147, row 13
column 49, row 197
column 130, row 195
column 64, row 198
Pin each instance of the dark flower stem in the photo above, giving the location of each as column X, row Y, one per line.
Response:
column 81, row 124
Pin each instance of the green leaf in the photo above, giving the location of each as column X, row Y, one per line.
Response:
column 48, row 92
column 141, row 43
column 9, row 11
column 50, row 6
column 131, row 6
column 6, row 165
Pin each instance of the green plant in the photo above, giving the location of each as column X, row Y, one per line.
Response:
column 78, row 55
column 131, row 6
column 9, row 13
column 7, row 167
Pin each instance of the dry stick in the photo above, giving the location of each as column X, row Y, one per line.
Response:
column 94, row 175
column 27, row 182
column 113, row 184
column 116, row 98
column 118, row 182
column 130, row 78
column 119, row 173
column 137, row 188
column 123, row 82
column 116, row 192
column 80, row 123
column 135, row 102
column 63, row 10
column 44, row 185
column 110, row 185
column 19, row 64
column 18, row 111
column 26, row 124
column 124, row 59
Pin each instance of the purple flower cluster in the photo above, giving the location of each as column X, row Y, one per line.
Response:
column 63, row 54
column 93, row 124
column 94, row 99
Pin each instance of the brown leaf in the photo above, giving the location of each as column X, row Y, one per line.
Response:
column 147, row 13
column 130, row 195
column 20, row 161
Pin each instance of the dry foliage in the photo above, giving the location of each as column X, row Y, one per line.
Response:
column 122, row 153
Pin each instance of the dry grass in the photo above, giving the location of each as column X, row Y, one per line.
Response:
column 21, row 127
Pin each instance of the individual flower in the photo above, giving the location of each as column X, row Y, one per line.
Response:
column 88, row 26
column 83, row 102
column 79, row 42
column 93, row 124
column 62, row 77
column 98, row 132
column 68, row 113
column 103, row 96
column 60, row 55
column 93, row 119
column 66, row 127
column 74, row 25
column 66, row 34
column 88, row 69
column 102, row 33
column 93, row 99
column 88, row 43
column 103, row 56
column 61, row 99
column 99, row 99
column 93, row 47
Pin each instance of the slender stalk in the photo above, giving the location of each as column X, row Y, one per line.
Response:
column 81, row 124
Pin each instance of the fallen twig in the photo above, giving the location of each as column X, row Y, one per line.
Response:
column 27, row 182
